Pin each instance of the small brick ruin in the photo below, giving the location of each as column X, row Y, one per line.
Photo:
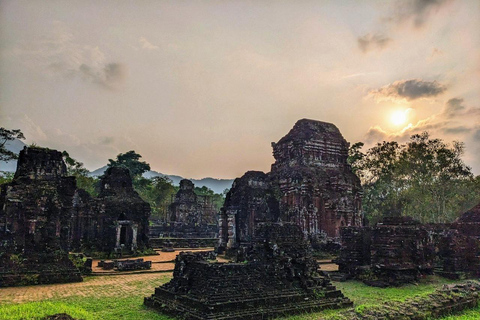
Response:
column 192, row 220
column 34, row 221
column 395, row 251
column 277, row 277
column 399, row 250
column 310, row 184
column 115, row 221
column 191, row 209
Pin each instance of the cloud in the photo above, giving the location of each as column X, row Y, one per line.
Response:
column 146, row 44
column 455, row 121
column 111, row 76
column 371, row 42
column 408, row 90
column 445, row 122
column 453, row 107
column 416, row 12
column 59, row 55
column 107, row 140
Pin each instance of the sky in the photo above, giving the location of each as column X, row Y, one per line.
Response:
column 202, row 88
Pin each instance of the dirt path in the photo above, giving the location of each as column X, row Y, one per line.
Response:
column 98, row 286
column 101, row 286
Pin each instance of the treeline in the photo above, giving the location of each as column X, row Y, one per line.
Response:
column 159, row 192
column 424, row 178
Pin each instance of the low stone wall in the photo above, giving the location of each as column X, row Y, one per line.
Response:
column 444, row 301
column 38, row 269
column 182, row 230
column 183, row 242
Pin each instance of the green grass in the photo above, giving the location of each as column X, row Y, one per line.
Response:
column 38, row 310
column 131, row 306
column 85, row 308
column 473, row 314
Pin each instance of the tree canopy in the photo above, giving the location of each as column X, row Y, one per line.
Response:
column 424, row 178
column 5, row 136
column 76, row 168
column 131, row 161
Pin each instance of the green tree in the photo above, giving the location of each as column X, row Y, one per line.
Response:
column 5, row 136
column 217, row 198
column 435, row 173
column 131, row 161
column 158, row 192
column 378, row 170
column 76, row 169
column 6, row 177
column 423, row 178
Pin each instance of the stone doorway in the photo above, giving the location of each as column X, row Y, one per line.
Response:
column 126, row 233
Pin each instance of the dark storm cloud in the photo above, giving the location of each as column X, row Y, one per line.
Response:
column 371, row 42
column 408, row 89
column 417, row 11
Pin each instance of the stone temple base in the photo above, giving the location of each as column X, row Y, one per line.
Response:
column 39, row 269
column 272, row 282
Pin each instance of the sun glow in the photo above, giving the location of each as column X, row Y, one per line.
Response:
column 399, row 117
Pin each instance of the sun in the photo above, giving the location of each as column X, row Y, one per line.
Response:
column 399, row 117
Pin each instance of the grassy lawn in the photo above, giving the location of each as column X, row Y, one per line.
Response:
column 128, row 304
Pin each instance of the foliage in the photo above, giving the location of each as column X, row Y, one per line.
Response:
column 5, row 136
column 217, row 198
column 424, row 178
column 6, row 177
column 131, row 161
column 76, row 169
column 158, row 192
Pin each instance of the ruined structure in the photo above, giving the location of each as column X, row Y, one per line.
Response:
column 117, row 220
column 469, row 222
column 395, row 251
column 399, row 249
column 319, row 191
column 310, row 184
column 192, row 220
column 278, row 277
column 43, row 216
column 250, row 201
column 191, row 209
column 34, row 221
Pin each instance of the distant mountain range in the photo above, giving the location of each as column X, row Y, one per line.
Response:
column 217, row 185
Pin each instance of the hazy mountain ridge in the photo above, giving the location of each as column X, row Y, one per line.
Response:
column 217, row 185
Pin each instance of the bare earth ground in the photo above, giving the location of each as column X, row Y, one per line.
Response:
column 123, row 284
column 108, row 285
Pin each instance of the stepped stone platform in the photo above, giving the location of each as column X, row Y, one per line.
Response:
column 278, row 277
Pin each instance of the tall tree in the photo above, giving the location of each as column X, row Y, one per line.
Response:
column 424, row 178
column 5, row 136
column 158, row 192
column 131, row 161
column 76, row 168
